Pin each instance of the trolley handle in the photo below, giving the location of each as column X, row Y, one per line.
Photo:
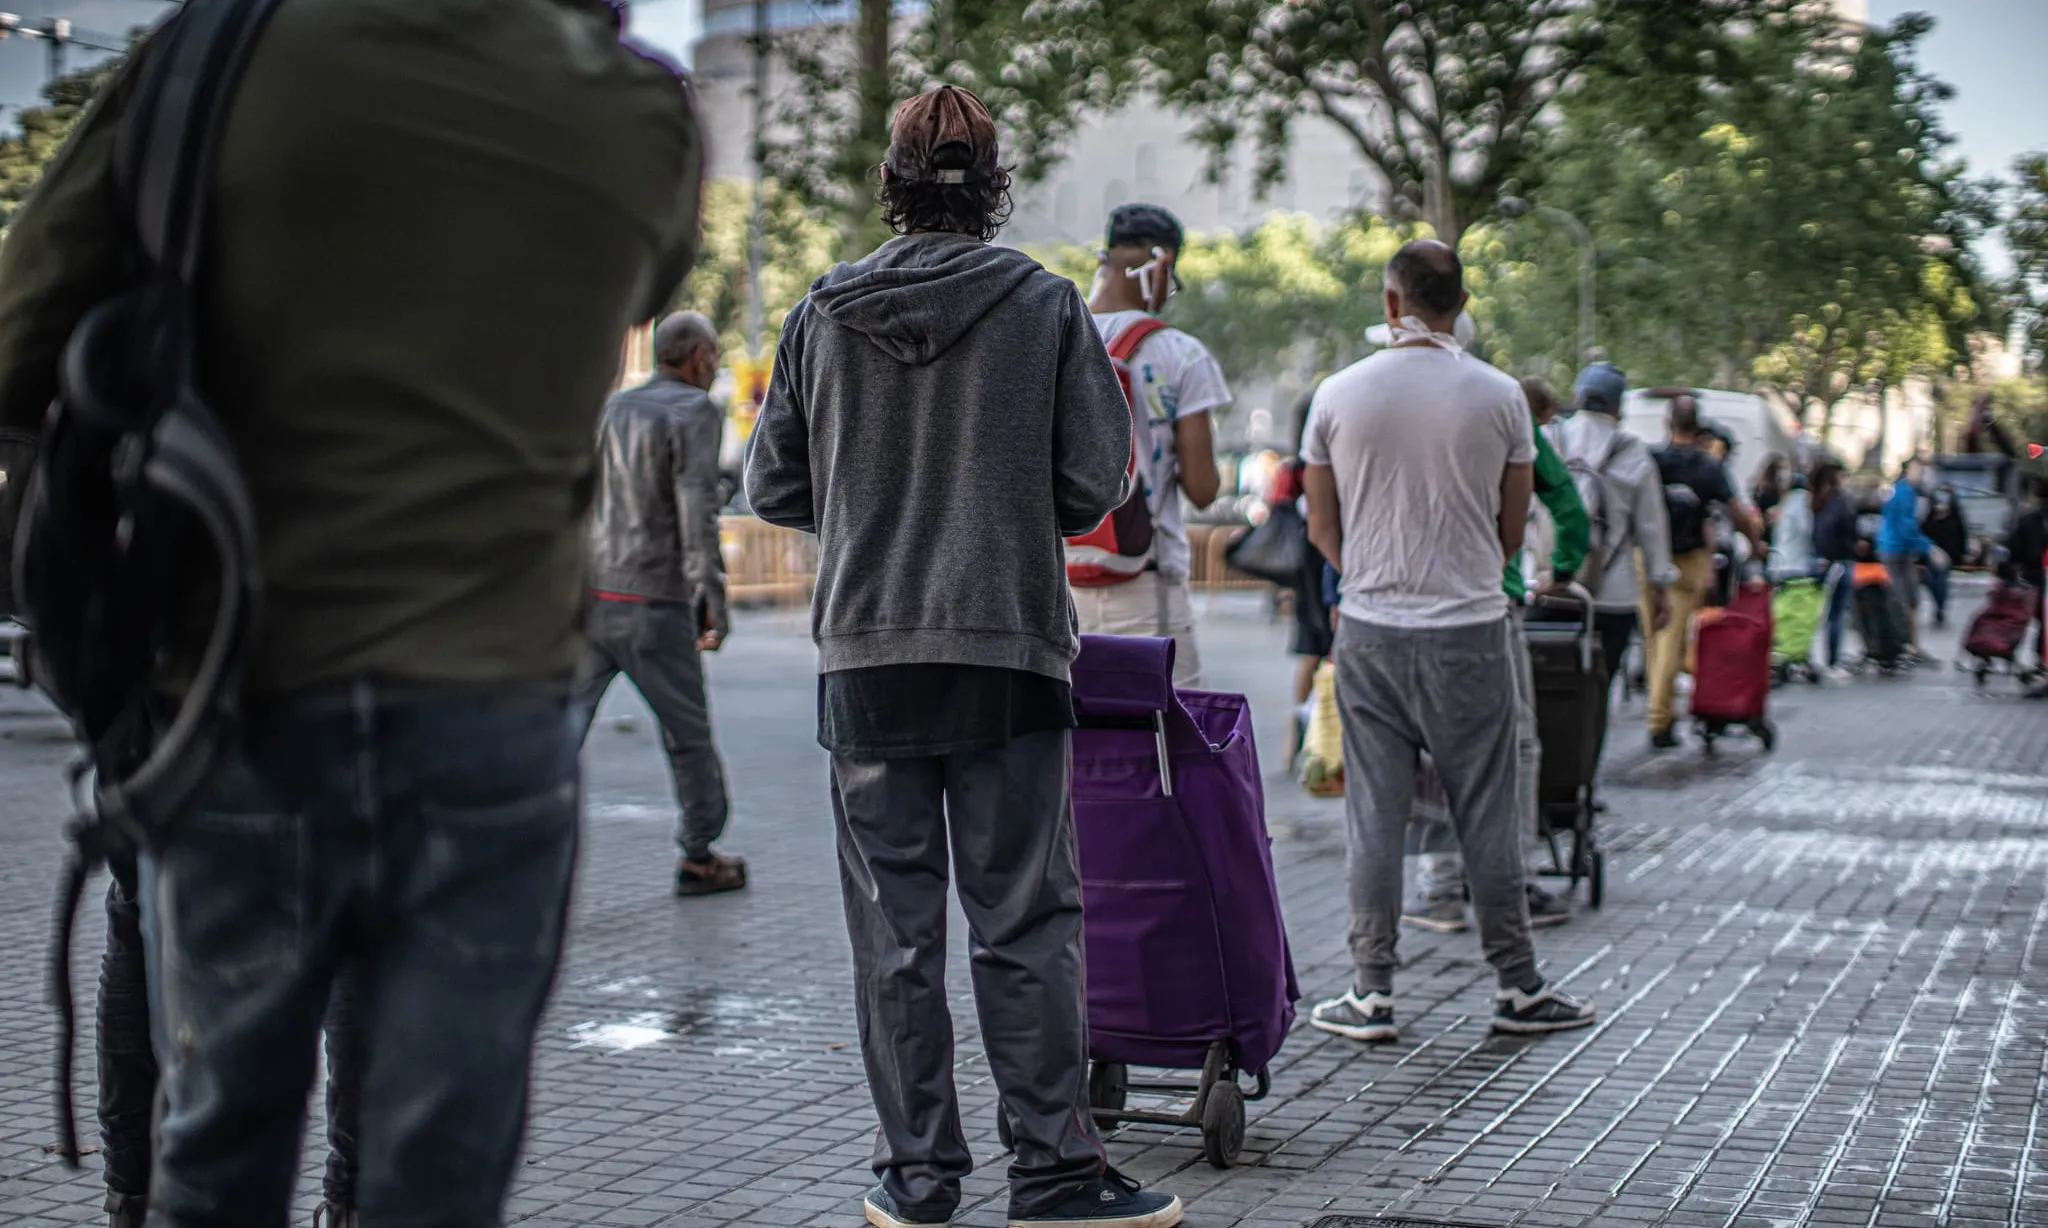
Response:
column 1589, row 635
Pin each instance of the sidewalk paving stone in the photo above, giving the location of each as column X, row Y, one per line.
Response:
column 1821, row 976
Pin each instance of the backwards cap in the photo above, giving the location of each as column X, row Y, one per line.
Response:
column 942, row 136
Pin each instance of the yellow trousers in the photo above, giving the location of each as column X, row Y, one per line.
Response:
column 1664, row 651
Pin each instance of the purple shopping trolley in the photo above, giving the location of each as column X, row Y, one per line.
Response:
column 1188, row 966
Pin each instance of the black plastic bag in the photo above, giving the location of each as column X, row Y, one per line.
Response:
column 1276, row 550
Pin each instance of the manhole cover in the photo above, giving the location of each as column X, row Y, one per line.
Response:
column 1398, row 1221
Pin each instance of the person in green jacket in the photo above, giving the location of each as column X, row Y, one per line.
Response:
column 1439, row 900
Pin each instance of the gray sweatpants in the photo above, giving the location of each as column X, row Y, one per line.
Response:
column 654, row 643
column 1452, row 692
column 1441, row 869
column 1010, row 821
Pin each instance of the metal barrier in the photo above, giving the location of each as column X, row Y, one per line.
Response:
column 1208, row 572
column 766, row 565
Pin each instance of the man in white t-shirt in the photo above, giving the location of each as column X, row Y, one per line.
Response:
column 1419, row 477
column 1178, row 386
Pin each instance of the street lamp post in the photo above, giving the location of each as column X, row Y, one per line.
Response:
column 757, row 220
column 54, row 31
column 1515, row 206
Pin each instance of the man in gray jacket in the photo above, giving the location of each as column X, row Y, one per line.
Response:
column 941, row 415
column 1624, row 495
column 657, row 579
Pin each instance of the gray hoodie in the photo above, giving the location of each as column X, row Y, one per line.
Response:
column 941, row 414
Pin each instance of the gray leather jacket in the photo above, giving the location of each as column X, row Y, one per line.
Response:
column 654, row 523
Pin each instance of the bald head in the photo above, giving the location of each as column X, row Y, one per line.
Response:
column 686, row 348
column 1426, row 279
column 680, row 336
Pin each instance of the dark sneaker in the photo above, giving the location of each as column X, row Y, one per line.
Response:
column 1546, row 909
column 1369, row 1018
column 1663, row 739
column 883, row 1213
column 1445, row 915
column 714, row 875
column 1549, row 1009
column 1115, row 1201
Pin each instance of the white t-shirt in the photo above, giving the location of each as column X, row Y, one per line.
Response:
column 1417, row 438
column 1174, row 377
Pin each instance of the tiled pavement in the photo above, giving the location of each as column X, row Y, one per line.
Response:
column 1822, row 977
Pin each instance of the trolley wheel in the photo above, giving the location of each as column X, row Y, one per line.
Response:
column 1109, row 1085
column 1223, row 1123
column 1003, row 1133
column 1982, row 675
column 1596, row 881
column 1708, row 731
column 1767, row 734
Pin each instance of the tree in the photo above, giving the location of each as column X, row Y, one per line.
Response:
column 2026, row 235
column 1446, row 99
column 1440, row 97
column 1790, row 225
column 799, row 247
column 43, row 132
column 832, row 127
column 1284, row 303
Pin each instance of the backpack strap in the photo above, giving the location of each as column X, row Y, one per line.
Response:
column 1122, row 350
column 164, row 153
column 1127, row 342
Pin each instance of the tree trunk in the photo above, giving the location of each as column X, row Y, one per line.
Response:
column 871, row 127
column 1440, row 209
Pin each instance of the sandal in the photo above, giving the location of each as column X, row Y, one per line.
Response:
column 713, row 876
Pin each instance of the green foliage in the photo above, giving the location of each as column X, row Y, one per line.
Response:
column 1038, row 64
column 2026, row 234
column 799, row 248
column 43, row 132
column 1440, row 97
column 1793, row 226
column 1285, row 303
column 1445, row 99
column 2020, row 405
column 831, row 120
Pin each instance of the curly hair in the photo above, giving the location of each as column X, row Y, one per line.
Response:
column 978, row 209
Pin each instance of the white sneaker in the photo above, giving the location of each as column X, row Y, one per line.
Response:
column 1836, row 674
column 1549, row 1009
column 1370, row 1018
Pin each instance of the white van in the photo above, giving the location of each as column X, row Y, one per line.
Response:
column 1759, row 429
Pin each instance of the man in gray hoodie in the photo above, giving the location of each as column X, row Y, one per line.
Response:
column 941, row 415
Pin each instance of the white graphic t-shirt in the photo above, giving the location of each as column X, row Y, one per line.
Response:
column 1174, row 376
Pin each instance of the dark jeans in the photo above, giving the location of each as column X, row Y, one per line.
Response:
column 1841, row 595
column 425, row 838
column 128, row 1070
column 654, row 644
column 1937, row 588
column 1011, row 827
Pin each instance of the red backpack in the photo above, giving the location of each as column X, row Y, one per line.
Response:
column 1120, row 548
